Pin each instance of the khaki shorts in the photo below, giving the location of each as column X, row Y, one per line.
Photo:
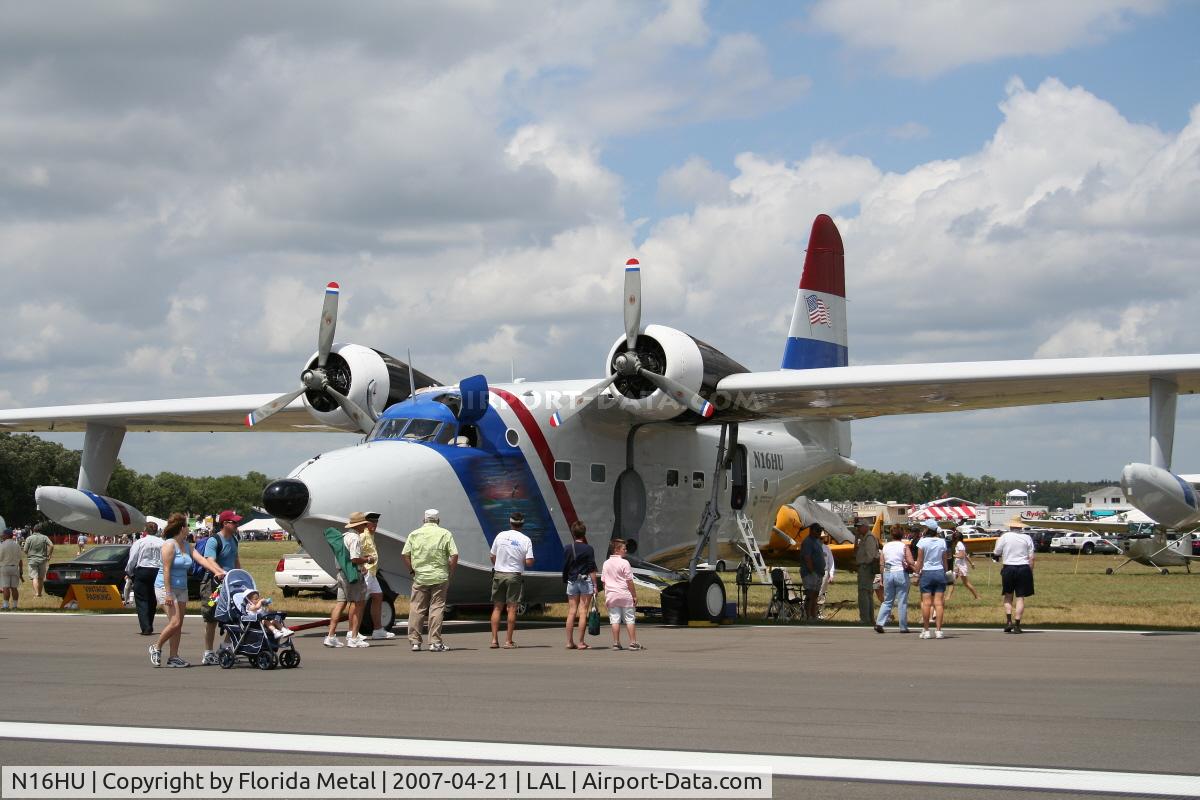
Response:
column 10, row 576
column 508, row 588
column 38, row 568
column 350, row 592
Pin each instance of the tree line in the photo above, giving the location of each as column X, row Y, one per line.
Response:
column 27, row 462
column 904, row 487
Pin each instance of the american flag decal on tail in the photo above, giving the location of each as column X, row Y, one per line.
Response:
column 818, row 312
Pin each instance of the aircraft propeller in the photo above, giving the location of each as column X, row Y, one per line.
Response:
column 316, row 379
column 628, row 364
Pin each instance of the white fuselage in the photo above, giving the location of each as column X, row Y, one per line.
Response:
column 475, row 490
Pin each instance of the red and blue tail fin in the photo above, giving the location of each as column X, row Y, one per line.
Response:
column 817, row 337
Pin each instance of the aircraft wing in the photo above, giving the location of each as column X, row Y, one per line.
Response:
column 199, row 414
column 861, row 392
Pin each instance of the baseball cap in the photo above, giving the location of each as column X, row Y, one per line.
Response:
column 229, row 515
column 432, row 513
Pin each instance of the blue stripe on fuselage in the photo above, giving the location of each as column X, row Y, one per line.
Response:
column 813, row 354
column 102, row 506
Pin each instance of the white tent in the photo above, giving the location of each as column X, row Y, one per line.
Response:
column 256, row 525
column 159, row 521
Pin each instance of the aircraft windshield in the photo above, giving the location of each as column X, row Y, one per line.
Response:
column 410, row 430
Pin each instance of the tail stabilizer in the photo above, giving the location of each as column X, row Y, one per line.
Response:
column 817, row 337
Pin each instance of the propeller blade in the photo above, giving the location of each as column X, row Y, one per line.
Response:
column 680, row 393
column 584, row 400
column 360, row 417
column 328, row 323
column 259, row 414
column 633, row 302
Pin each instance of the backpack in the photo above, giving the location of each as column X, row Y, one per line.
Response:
column 197, row 570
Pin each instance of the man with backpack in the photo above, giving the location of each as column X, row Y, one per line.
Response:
column 221, row 547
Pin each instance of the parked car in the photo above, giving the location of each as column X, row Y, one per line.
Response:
column 100, row 566
column 1085, row 542
column 297, row 572
column 1042, row 538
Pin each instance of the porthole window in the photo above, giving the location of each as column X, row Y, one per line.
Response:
column 672, row 477
column 766, row 483
column 562, row 470
column 512, row 437
column 697, row 480
column 599, row 473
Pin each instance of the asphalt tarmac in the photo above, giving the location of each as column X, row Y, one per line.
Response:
column 1070, row 702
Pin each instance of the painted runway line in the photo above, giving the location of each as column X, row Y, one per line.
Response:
column 781, row 766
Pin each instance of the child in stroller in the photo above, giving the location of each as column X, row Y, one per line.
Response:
column 250, row 627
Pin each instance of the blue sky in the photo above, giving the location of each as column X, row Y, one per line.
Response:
column 1012, row 180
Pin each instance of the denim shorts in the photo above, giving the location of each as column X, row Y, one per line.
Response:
column 580, row 587
column 933, row 581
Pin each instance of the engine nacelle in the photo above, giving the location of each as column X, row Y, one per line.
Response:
column 373, row 380
column 680, row 357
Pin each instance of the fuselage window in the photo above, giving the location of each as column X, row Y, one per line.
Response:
column 421, row 430
column 512, row 437
column 697, row 480
column 672, row 477
column 562, row 470
column 599, row 473
column 766, row 483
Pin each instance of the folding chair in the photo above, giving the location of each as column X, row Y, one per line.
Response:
column 786, row 603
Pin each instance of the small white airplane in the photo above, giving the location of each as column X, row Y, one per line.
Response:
column 674, row 433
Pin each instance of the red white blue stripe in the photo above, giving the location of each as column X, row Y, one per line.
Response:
column 817, row 337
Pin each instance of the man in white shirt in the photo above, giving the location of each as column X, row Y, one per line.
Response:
column 145, row 560
column 512, row 553
column 1015, row 551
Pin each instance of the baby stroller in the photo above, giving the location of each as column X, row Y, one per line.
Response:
column 245, row 634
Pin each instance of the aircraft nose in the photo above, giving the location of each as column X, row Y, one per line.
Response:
column 285, row 499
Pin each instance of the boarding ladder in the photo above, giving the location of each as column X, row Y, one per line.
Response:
column 745, row 527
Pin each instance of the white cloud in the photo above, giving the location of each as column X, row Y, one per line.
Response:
column 925, row 39
column 909, row 130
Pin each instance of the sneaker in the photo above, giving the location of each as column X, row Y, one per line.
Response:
column 924, row 635
column 357, row 642
column 1008, row 628
column 380, row 633
column 938, row 635
column 332, row 641
column 283, row 634
column 879, row 629
column 155, row 656
column 1017, row 628
column 177, row 662
column 416, row 647
column 210, row 659
column 439, row 647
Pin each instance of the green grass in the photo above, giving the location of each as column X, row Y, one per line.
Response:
column 1071, row 591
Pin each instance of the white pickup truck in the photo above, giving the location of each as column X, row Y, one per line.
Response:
column 1085, row 542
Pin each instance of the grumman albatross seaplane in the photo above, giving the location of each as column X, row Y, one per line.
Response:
column 674, row 434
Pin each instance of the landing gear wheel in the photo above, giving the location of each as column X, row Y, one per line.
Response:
column 706, row 597
column 1163, row 571
column 264, row 660
column 289, row 659
column 387, row 616
column 1108, row 571
column 226, row 659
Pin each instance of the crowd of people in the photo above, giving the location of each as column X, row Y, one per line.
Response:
column 918, row 554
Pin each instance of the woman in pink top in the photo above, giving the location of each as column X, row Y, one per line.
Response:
column 620, row 595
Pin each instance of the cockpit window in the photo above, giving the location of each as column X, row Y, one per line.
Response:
column 445, row 435
column 410, row 430
column 421, row 430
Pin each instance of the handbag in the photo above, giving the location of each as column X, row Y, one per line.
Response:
column 593, row 619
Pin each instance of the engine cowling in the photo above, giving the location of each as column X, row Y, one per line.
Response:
column 685, row 359
column 372, row 379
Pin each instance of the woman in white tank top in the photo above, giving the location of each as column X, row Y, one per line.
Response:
column 962, row 566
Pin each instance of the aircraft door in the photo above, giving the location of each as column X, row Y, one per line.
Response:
column 739, row 479
column 629, row 503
